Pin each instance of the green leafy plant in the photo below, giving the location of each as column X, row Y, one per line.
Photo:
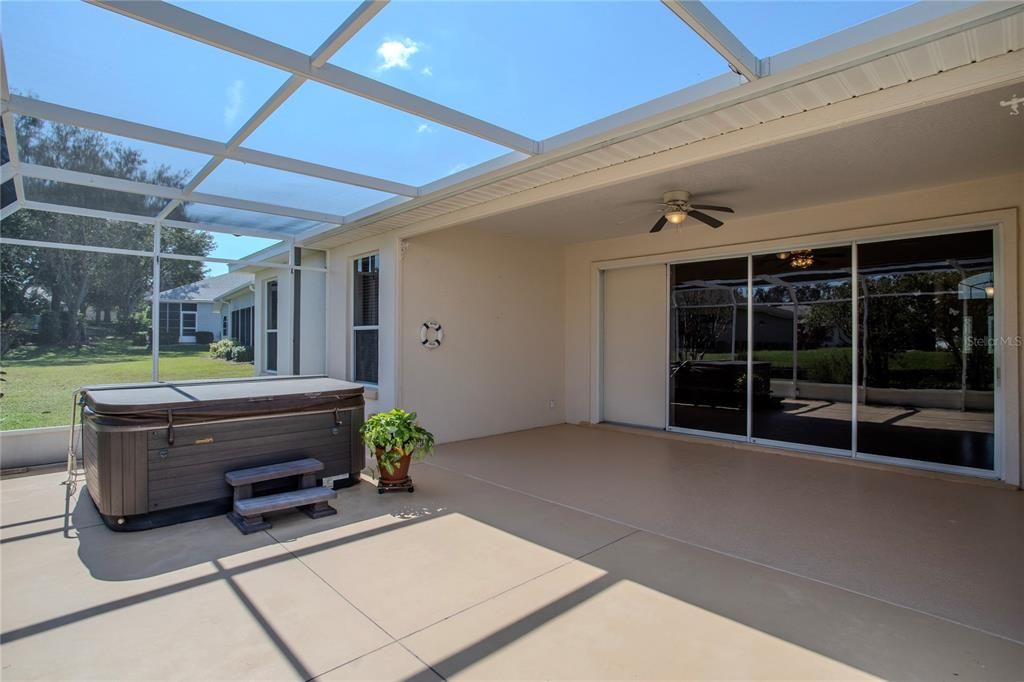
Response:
column 393, row 435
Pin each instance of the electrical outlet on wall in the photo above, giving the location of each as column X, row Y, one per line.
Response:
column 551, row 404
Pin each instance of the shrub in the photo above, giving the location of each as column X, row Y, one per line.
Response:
column 14, row 331
column 140, row 339
column 241, row 354
column 222, row 349
column 204, row 337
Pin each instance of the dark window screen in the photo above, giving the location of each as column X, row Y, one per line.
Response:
column 366, row 355
column 366, row 292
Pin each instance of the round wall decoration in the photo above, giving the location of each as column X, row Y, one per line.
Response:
column 431, row 334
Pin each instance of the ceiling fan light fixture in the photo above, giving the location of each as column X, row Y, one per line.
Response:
column 675, row 216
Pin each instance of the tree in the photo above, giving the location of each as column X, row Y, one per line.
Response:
column 72, row 281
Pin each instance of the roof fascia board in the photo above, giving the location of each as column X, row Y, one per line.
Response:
column 961, row 82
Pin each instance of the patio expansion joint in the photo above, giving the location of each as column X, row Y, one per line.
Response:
column 637, row 529
column 365, row 615
column 401, row 642
column 496, row 595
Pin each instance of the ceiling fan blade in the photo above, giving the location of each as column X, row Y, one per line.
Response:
column 706, row 219
column 660, row 224
column 708, row 207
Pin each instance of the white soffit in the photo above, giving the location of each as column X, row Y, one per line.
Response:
column 723, row 108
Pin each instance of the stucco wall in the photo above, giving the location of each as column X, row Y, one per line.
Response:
column 499, row 300
column 740, row 233
column 635, row 332
column 312, row 301
column 383, row 396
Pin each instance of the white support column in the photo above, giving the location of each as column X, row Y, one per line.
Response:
column 293, row 311
column 714, row 32
column 10, row 133
column 155, row 309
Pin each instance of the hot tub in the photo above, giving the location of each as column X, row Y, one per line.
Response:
column 156, row 454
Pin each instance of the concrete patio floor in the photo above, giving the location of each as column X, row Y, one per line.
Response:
column 564, row 552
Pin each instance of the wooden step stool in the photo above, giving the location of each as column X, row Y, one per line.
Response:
column 248, row 511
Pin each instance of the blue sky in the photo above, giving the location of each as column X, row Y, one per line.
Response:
column 537, row 68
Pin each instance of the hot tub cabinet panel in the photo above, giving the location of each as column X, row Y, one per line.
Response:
column 162, row 464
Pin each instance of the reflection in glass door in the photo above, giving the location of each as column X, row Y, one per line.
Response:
column 708, row 346
column 926, row 337
column 802, row 365
column 911, row 321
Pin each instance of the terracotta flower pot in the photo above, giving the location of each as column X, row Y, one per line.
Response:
column 401, row 472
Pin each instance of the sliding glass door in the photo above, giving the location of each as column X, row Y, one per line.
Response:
column 802, row 331
column 912, row 321
column 708, row 346
column 927, row 364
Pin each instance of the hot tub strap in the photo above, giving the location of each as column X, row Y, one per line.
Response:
column 170, row 427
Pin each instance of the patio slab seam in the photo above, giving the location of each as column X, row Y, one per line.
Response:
column 347, row 601
column 400, row 641
column 725, row 554
column 496, row 595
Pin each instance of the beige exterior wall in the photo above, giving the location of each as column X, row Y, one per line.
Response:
column 634, row 331
column 499, row 300
column 742, row 235
column 339, row 316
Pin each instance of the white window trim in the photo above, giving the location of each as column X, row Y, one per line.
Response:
column 266, row 325
column 353, row 328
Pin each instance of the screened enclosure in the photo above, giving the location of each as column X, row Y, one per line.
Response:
column 149, row 147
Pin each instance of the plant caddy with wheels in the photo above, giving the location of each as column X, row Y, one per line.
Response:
column 396, row 437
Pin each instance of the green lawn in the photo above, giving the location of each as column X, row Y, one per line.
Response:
column 39, row 381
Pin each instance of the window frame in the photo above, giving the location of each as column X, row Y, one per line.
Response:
column 354, row 262
column 267, row 330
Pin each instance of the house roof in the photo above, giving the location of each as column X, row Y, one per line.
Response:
column 209, row 289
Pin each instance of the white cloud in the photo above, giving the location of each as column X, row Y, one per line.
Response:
column 458, row 167
column 233, row 101
column 396, row 53
column 424, row 128
column 427, row 71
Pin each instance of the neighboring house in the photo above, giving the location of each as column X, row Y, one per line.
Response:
column 236, row 308
column 280, row 343
column 195, row 307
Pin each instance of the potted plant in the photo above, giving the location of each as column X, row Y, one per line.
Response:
column 396, row 437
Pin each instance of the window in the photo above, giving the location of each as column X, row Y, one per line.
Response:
column 241, row 326
column 224, row 327
column 365, row 318
column 177, row 320
column 188, row 320
column 271, row 316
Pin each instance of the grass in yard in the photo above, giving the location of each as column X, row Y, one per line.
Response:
column 39, row 381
